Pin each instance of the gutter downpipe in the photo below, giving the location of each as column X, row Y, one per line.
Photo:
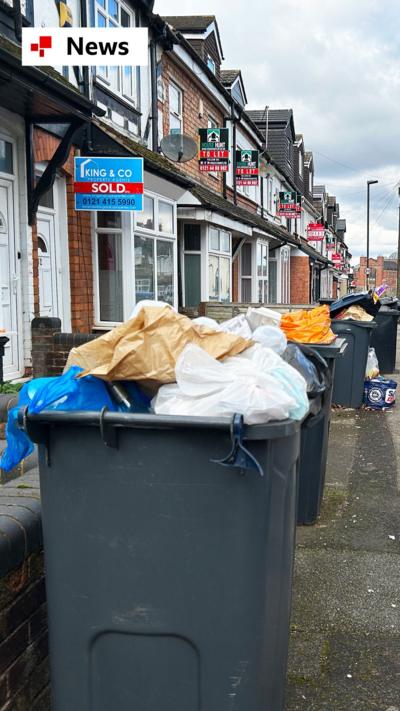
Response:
column 154, row 97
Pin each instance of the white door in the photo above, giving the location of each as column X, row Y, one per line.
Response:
column 52, row 230
column 9, row 280
column 49, row 302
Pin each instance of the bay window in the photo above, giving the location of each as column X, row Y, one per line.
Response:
column 122, row 80
column 135, row 258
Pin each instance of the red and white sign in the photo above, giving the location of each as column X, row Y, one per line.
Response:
column 214, row 154
column 337, row 259
column 109, row 188
column 315, row 232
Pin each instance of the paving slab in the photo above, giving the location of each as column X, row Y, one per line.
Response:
column 345, row 637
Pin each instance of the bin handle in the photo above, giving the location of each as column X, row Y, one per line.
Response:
column 239, row 456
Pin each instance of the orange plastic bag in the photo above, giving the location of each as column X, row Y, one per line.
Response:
column 308, row 326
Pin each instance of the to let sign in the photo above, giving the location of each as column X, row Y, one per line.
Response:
column 289, row 205
column 108, row 183
column 315, row 232
column 214, row 150
column 247, row 170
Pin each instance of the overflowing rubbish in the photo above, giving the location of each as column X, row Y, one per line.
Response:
column 270, row 337
column 372, row 369
column 380, row 393
column 161, row 361
column 146, row 347
column 312, row 326
column 257, row 384
column 366, row 299
column 296, row 358
column 262, row 317
column 239, row 325
column 354, row 313
column 67, row 392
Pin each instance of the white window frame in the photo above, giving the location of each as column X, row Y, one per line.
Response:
column 301, row 164
column 247, row 277
column 178, row 116
column 128, row 231
column 265, row 279
column 254, row 276
column 220, row 255
column 104, row 79
column 283, row 275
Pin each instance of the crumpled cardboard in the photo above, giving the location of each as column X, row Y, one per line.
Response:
column 146, row 347
column 354, row 313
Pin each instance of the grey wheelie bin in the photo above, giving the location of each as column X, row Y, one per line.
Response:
column 384, row 338
column 169, row 563
column 348, row 386
column 330, row 352
column 311, row 445
column 315, row 432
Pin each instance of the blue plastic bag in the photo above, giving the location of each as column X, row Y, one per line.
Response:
column 63, row 393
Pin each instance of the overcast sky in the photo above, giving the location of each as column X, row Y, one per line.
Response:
column 336, row 63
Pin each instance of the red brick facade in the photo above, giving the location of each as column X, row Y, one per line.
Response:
column 197, row 109
column 79, row 240
column 299, row 280
column 382, row 271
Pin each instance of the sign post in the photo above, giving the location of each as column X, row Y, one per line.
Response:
column 108, row 184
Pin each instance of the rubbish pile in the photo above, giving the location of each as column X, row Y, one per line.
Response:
column 164, row 363
column 379, row 392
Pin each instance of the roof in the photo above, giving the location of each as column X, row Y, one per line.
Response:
column 341, row 225
column 190, row 23
column 218, row 203
column 154, row 162
column 274, row 115
column 308, row 156
column 41, row 91
column 331, row 200
column 228, row 76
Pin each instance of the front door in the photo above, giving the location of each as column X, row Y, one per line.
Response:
column 9, row 281
column 49, row 302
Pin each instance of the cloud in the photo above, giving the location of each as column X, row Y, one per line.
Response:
column 337, row 64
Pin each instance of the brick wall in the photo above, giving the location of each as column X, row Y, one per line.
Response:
column 79, row 240
column 299, row 280
column 24, row 668
column 50, row 347
column 192, row 93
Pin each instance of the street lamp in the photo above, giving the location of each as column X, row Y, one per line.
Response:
column 369, row 183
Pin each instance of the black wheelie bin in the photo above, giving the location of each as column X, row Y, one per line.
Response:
column 348, row 385
column 169, row 564
column 384, row 338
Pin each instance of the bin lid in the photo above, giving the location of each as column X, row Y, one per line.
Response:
column 335, row 349
column 37, row 425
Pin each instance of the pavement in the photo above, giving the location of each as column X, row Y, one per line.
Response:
column 345, row 629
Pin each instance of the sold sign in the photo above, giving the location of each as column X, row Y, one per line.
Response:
column 108, row 183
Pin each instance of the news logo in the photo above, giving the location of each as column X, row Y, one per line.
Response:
column 84, row 46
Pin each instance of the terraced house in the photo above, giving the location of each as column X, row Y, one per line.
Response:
column 204, row 235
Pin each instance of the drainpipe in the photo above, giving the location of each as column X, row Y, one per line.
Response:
column 233, row 119
column 262, row 195
column 85, row 70
column 154, row 98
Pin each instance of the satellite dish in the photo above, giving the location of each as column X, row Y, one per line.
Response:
column 178, row 147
